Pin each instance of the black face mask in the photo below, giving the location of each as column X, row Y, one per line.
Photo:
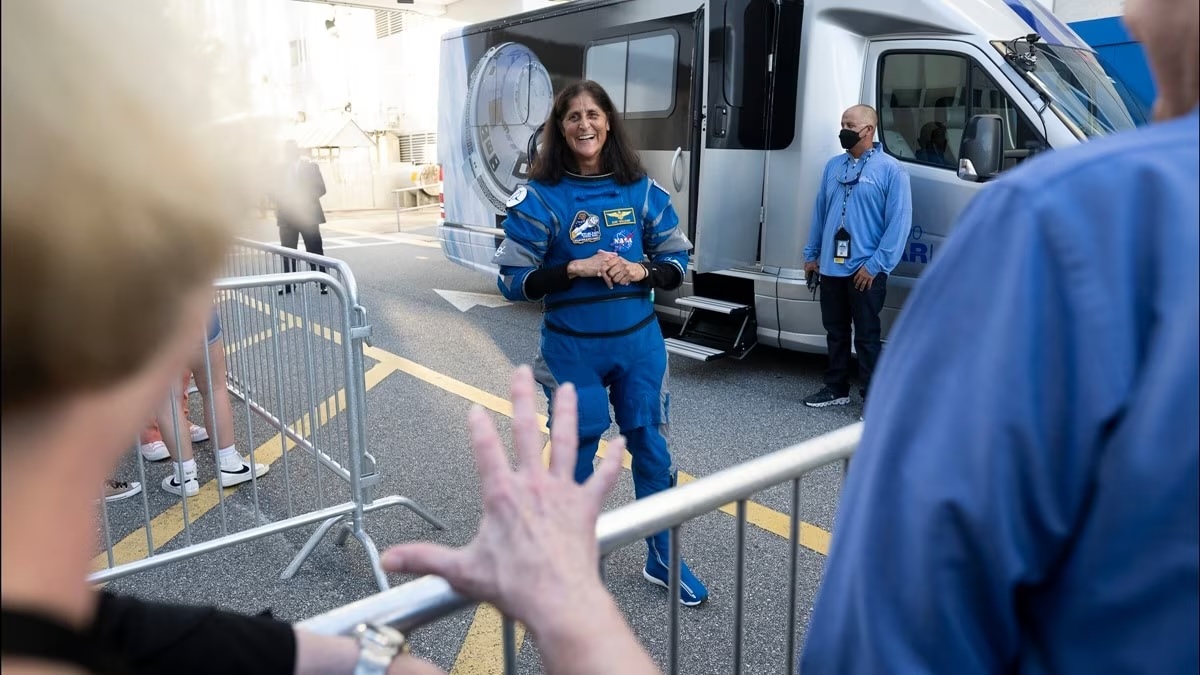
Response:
column 849, row 138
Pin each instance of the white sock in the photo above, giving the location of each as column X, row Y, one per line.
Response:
column 189, row 469
column 229, row 458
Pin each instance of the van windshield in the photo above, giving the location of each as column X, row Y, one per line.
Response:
column 1080, row 91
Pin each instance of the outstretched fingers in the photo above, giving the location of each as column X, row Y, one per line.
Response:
column 489, row 451
column 527, row 433
column 424, row 558
column 564, row 432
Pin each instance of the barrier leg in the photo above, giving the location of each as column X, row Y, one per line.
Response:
column 309, row 546
column 373, row 556
column 344, row 533
column 408, row 504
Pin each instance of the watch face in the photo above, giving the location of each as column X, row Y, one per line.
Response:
column 509, row 97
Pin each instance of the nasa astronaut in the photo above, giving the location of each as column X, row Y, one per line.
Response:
column 591, row 236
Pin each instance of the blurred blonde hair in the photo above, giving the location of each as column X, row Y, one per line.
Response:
column 120, row 190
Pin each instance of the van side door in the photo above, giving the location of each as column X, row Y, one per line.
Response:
column 924, row 92
column 739, row 46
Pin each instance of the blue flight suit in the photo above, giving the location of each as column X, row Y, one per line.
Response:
column 1024, row 499
column 601, row 340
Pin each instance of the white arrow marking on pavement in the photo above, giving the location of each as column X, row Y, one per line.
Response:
column 464, row 300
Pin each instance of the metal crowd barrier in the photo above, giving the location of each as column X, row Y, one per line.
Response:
column 293, row 364
column 430, row 598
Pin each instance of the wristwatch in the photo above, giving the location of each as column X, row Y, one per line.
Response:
column 377, row 648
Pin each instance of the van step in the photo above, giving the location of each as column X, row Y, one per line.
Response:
column 692, row 350
column 715, row 329
column 709, row 304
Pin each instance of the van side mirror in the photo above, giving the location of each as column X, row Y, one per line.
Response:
column 982, row 151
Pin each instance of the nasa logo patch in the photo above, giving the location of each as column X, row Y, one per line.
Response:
column 622, row 241
column 585, row 229
column 517, row 197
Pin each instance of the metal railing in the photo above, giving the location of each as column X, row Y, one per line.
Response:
column 398, row 191
column 290, row 354
column 431, row 598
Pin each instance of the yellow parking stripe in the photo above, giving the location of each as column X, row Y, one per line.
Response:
column 169, row 524
column 483, row 642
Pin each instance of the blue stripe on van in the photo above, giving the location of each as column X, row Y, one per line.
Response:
column 1044, row 23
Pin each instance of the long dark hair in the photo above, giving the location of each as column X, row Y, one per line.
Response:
column 555, row 158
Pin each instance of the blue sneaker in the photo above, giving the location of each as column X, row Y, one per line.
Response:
column 657, row 571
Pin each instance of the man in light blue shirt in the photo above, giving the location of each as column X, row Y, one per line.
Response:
column 860, row 221
column 1025, row 497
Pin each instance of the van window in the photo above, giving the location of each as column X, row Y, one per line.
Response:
column 925, row 100
column 604, row 64
column 638, row 72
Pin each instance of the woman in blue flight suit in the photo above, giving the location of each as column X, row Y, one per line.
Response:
column 591, row 236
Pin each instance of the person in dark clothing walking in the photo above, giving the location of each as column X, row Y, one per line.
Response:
column 298, row 212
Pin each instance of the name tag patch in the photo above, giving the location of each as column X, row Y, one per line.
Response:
column 619, row 217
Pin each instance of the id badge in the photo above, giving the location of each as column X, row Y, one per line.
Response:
column 841, row 246
column 841, row 251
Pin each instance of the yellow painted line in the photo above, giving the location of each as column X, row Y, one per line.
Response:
column 765, row 518
column 241, row 345
column 290, row 320
column 169, row 524
column 484, row 641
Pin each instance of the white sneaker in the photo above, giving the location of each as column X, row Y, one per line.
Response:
column 154, row 451
column 116, row 490
column 199, row 433
column 235, row 475
column 190, row 486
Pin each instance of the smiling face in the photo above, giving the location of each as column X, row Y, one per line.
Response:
column 585, row 128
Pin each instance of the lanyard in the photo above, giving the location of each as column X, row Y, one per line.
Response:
column 849, row 186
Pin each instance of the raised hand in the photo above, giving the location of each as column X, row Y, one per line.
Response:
column 535, row 555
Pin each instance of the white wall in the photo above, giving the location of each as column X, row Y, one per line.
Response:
column 407, row 73
column 242, row 38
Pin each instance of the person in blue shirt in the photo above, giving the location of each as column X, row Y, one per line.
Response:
column 591, row 236
column 861, row 218
column 1024, row 499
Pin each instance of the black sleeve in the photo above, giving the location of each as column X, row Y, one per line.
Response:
column 546, row 280
column 155, row 637
column 665, row 276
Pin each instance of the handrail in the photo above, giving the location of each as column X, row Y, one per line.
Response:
column 430, row 598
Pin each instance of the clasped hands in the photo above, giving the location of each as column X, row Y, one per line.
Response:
column 610, row 267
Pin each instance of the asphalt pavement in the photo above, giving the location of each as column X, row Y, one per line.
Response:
column 451, row 322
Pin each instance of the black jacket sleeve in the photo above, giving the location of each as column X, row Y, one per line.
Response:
column 666, row 277
column 161, row 638
column 546, row 280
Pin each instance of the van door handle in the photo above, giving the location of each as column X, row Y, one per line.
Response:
column 676, row 163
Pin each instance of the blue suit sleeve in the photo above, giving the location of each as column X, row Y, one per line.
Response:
column 897, row 214
column 662, row 240
column 816, row 228
column 528, row 230
column 977, row 459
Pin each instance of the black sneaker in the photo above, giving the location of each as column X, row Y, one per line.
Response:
column 825, row 398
